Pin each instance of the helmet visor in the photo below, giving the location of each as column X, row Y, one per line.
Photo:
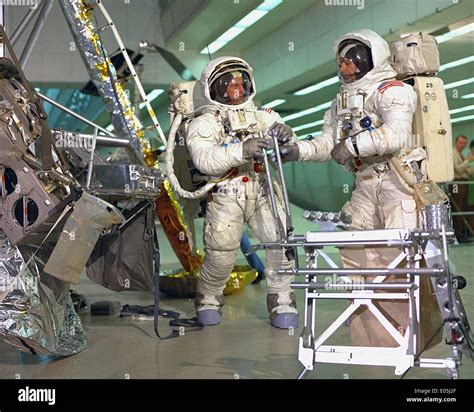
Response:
column 232, row 88
column 354, row 60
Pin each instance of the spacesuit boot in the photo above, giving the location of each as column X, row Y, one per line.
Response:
column 282, row 310
column 208, row 309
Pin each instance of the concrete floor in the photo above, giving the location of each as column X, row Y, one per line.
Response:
column 243, row 346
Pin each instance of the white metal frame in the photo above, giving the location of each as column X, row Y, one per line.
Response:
column 313, row 350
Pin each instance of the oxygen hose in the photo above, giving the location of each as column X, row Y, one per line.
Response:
column 170, row 165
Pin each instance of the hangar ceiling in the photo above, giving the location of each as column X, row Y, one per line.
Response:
column 186, row 27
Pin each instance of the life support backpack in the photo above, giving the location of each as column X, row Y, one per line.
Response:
column 416, row 60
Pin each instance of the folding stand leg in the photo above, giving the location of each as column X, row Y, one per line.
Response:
column 303, row 374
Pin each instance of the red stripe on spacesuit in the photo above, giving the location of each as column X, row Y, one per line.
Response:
column 385, row 86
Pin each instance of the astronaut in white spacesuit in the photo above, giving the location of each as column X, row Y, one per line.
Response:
column 226, row 143
column 368, row 123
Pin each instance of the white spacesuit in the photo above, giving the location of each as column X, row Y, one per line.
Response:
column 368, row 123
column 225, row 143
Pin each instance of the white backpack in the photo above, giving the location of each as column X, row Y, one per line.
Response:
column 416, row 60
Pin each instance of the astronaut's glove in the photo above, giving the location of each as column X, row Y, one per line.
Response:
column 254, row 147
column 341, row 154
column 289, row 153
column 281, row 131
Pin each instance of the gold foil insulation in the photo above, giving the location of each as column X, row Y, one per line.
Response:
column 79, row 16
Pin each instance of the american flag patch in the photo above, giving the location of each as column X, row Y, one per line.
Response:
column 268, row 110
column 384, row 86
